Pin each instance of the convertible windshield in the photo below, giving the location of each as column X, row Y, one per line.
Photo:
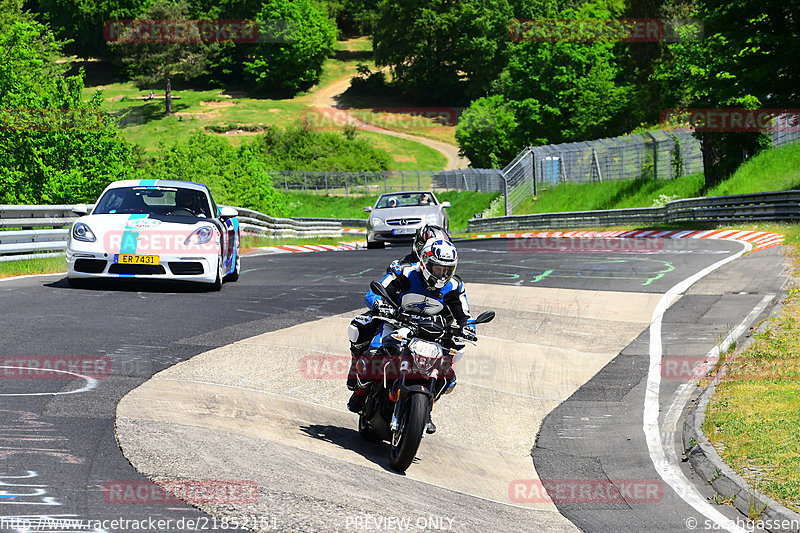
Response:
column 161, row 201
column 405, row 200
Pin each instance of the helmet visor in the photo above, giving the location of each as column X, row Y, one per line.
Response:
column 442, row 271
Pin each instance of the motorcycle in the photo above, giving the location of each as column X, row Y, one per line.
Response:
column 405, row 376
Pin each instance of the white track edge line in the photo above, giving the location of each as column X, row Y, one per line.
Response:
column 655, row 446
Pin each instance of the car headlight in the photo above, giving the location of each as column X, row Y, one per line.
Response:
column 81, row 232
column 200, row 236
column 431, row 219
column 377, row 222
column 425, row 354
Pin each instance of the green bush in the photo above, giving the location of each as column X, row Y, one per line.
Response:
column 236, row 177
column 297, row 148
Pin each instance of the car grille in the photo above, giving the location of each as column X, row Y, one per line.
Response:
column 186, row 268
column 399, row 221
column 90, row 266
column 119, row 268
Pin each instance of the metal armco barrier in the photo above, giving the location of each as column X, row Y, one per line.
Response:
column 28, row 231
column 780, row 205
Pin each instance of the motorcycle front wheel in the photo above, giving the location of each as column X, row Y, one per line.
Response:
column 406, row 444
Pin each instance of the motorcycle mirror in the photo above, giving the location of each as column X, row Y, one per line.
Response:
column 380, row 290
column 486, row 316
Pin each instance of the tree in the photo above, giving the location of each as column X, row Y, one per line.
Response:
column 486, row 132
column 299, row 39
column 80, row 23
column 158, row 58
column 745, row 59
column 54, row 147
column 442, row 50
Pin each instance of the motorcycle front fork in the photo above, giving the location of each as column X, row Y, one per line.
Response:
column 400, row 403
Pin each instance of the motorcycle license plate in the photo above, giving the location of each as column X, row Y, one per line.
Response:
column 131, row 259
column 404, row 231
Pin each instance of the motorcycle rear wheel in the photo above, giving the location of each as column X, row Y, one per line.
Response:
column 411, row 429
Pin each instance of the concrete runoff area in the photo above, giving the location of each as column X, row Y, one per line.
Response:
column 252, row 410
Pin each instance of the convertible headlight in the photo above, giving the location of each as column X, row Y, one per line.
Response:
column 425, row 354
column 200, row 236
column 431, row 219
column 377, row 222
column 81, row 232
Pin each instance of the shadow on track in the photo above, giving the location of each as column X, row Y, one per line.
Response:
column 131, row 285
column 349, row 439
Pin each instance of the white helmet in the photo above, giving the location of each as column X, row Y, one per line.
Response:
column 438, row 261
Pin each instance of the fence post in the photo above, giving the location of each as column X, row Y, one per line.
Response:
column 505, row 195
column 384, row 182
column 285, row 181
column 419, row 181
column 402, row 181
column 655, row 154
column 346, row 193
column 366, row 187
column 326, row 184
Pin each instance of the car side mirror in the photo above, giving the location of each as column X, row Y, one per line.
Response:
column 227, row 212
column 445, row 204
column 367, row 209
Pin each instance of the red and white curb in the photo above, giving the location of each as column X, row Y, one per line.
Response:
column 358, row 231
column 760, row 239
column 295, row 248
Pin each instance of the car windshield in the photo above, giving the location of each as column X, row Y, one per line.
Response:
column 160, row 201
column 405, row 200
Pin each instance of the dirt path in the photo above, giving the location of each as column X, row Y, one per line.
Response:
column 327, row 98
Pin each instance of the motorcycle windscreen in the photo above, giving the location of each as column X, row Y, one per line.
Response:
column 421, row 305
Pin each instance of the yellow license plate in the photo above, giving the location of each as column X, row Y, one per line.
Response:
column 130, row 259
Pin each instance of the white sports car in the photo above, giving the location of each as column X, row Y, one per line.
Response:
column 155, row 229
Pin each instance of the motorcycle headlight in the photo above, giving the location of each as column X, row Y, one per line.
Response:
column 425, row 354
column 200, row 236
column 81, row 232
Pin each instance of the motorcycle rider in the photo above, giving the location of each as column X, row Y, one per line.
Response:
column 363, row 328
column 443, row 293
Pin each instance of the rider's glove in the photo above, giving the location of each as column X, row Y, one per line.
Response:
column 381, row 308
column 394, row 268
column 468, row 333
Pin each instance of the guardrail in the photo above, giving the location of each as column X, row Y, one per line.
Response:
column 33, row 231
column 768, row 206
column 345, row 222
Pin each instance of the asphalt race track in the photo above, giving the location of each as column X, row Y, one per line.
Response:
column 572, row 336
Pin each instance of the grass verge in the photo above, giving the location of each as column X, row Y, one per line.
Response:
column 753, row 419
column 39, row 265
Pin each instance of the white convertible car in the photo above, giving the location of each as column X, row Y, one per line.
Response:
column 155, row 229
